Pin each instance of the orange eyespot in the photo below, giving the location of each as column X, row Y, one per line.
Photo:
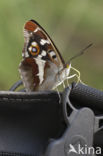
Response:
column 34, row 49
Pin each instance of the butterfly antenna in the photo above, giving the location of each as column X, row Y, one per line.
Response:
column 81, row 52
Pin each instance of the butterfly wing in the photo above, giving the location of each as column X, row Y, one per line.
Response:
column 41, row 59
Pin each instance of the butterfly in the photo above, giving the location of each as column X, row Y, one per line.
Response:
column 42, row 66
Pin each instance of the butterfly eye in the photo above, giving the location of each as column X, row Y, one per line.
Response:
column 34, row 49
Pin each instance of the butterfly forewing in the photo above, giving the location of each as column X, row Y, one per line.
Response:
column 33, row 31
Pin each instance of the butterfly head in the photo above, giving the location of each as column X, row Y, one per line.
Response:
column 68, row 66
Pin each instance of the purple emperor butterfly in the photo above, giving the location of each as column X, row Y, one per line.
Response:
column 42, row 67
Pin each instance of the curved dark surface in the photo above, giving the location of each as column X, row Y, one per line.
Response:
column 29, row 120
column 85, row 96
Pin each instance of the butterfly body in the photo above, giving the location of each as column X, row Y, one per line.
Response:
column 42, row 67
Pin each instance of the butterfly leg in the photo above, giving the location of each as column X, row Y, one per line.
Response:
column 77, row 75
column 61, row 82
column 71, row 76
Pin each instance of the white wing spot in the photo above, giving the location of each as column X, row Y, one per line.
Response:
column 43, row 53
column 34, row 43
column 41, row 65
column 52, row 53
column 23, row 55
column 26, row 54
column 30, row 48
column 42, row 42
column 39, row 56
column 36, row 29
column 26, row 34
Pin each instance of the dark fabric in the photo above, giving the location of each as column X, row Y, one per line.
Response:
column 29, row 121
